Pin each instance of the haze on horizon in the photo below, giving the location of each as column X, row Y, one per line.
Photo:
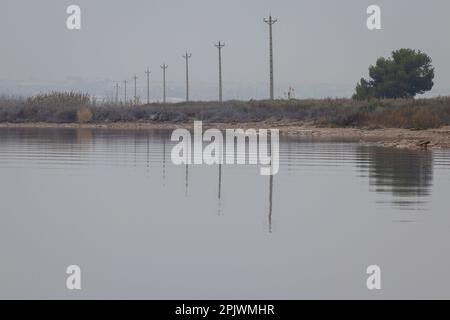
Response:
column 321, row 48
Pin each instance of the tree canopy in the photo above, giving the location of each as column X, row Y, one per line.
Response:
column 404, row 75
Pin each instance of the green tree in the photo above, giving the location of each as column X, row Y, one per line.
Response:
column 404, row 75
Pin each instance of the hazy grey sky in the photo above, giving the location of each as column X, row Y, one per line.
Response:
column 316, row 41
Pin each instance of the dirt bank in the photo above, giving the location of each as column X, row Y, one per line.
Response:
column 387, row 137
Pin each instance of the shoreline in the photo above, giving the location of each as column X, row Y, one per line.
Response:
column 433, row 139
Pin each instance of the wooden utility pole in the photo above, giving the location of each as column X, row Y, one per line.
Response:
column 135, row 90
column 187, row 56
column 164, row 67
column 271, row 22
column 125, row 91
column 220, row 46
column 148, row 85
column 117, row 93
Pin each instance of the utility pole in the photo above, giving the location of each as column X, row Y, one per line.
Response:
column 125, row 92
column 220, row 46
column 117, row 93
column 148, row 85
column 187, row 56
column 135, row 90
column 271, row 22
column 164, row 67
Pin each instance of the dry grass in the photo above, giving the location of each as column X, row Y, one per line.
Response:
column 58, row 100
column 84, row 115
column 76, row 107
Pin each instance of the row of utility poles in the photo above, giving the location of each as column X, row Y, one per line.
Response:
column 220, row 45
column 147, row 72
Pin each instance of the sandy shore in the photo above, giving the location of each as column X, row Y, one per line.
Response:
column 387, row 137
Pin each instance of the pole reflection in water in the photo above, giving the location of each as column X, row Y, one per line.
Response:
column 164, row 161
column 270, row 202
column 187, row 179
column 148, row 151
column 135, row 147
column 219, row 195
column 270, row 184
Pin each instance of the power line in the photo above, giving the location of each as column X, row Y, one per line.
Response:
column 271, row 22
column 187, row 56
column 220, row 46
column 164, row 67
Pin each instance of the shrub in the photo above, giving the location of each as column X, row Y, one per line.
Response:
column 424, row 119
column 84, row 115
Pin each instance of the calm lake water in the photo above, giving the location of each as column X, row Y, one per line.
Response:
column 112, row 202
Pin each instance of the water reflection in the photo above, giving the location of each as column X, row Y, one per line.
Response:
column 406, row 174
column 84, row 136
